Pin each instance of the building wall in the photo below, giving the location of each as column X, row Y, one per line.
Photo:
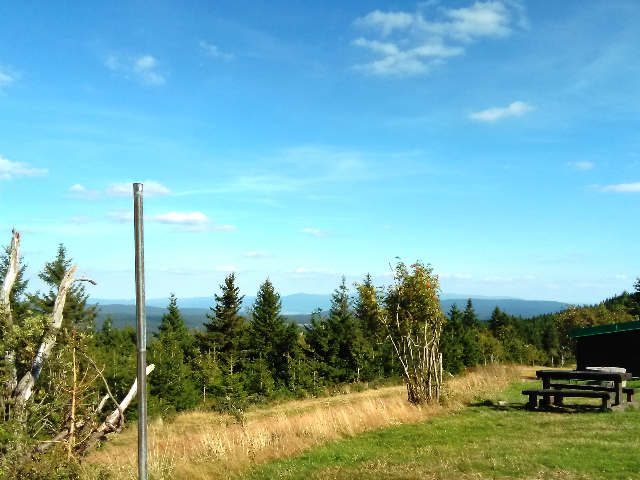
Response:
column 616, row 349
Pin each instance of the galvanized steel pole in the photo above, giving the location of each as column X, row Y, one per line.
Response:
column 138, row 226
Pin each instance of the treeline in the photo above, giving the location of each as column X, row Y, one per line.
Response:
column 253, row 354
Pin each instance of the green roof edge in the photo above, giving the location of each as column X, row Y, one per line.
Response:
column 600, row 329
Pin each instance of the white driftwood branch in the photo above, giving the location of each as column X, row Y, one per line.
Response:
column 5, row 306
column 23, row 391
column 113, row 423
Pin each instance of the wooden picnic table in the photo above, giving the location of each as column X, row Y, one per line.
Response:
column 585, row 375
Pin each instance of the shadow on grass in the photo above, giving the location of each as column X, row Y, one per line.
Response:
column 522, row 407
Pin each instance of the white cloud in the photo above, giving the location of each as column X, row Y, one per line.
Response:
column 7, row 77
column 414, row 43
column 490, row 19
column 78, row 191
column 492, row 114
column 581, row 165
column 121, row 216
column 150, row 188
column 258, row 255
column 190, row 222
column 213, row 51
column 314, row 232
column 10, row 170
column 396, row 61
column 195, row 218
column 622, row 188
column 144, row 68
column 387, row 22
column 225, row 268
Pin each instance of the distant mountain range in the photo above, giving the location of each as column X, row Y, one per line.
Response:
column 300, row 305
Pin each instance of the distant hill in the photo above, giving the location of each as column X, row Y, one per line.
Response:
column 300, row 305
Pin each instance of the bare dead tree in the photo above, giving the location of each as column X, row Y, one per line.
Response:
column 23, row 391
column 5, row 310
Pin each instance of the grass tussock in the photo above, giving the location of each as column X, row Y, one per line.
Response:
column 207, row 444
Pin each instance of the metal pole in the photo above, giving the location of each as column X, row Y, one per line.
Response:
column 138, row 226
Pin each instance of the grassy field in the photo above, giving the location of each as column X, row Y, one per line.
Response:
column 493, row 438
column 208, row 445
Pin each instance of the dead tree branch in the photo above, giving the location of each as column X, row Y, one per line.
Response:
column 5, row 306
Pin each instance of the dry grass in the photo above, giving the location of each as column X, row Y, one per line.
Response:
column 209, row 445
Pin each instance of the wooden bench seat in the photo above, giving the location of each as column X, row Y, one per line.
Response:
column 558, row 395
column 628, row 391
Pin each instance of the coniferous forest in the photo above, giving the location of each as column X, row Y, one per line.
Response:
column 249, row 354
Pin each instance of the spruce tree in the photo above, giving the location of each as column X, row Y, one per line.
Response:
column 469, row 317
column 368, row 314
column 226, row 332
column 268, row 341
column 76, row 314
column 450, row 342
column 345, row 336
column 173, row 377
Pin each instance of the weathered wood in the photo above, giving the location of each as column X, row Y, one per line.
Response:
column 22, row 393
column 5, row 308
column 558, row 395
column 113, row 423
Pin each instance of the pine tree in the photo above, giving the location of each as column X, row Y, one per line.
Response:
column 450, row 342
column 345, row 336
column 368, row 314
column 76, row 314
column 268, row 339
column 226, row 332
column 469, row 317
column 173, row 377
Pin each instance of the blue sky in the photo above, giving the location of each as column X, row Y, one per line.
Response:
column 498, row 141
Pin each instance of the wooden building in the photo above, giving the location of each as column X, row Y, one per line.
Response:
column 616, row 345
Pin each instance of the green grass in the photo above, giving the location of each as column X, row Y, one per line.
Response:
column 494, row 438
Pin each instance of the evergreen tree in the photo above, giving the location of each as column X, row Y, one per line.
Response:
column 226, row 332
column 270, row 339
column 345, row 336
column 450, row 342
column 498, row 322
column 116, row 349
column 469, row 317
column 173, row 378
column 318, row 337
column 76, row 314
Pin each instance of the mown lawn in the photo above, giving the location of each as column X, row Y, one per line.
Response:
column 494, row 438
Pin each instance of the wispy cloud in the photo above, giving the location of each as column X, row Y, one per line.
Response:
column 191, row 222
column 413, row 43
column 78, row 191
column 581, row 165
column 7, row 76
column 225, row 268
column 150, row 189
column 314, row 232
column 10, row 170
column 497, row 113
column 620, row 188
column 258, row 255
column 144, row 68
column 214, row 51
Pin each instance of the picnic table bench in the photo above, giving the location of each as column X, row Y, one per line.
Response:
column 560, row 390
